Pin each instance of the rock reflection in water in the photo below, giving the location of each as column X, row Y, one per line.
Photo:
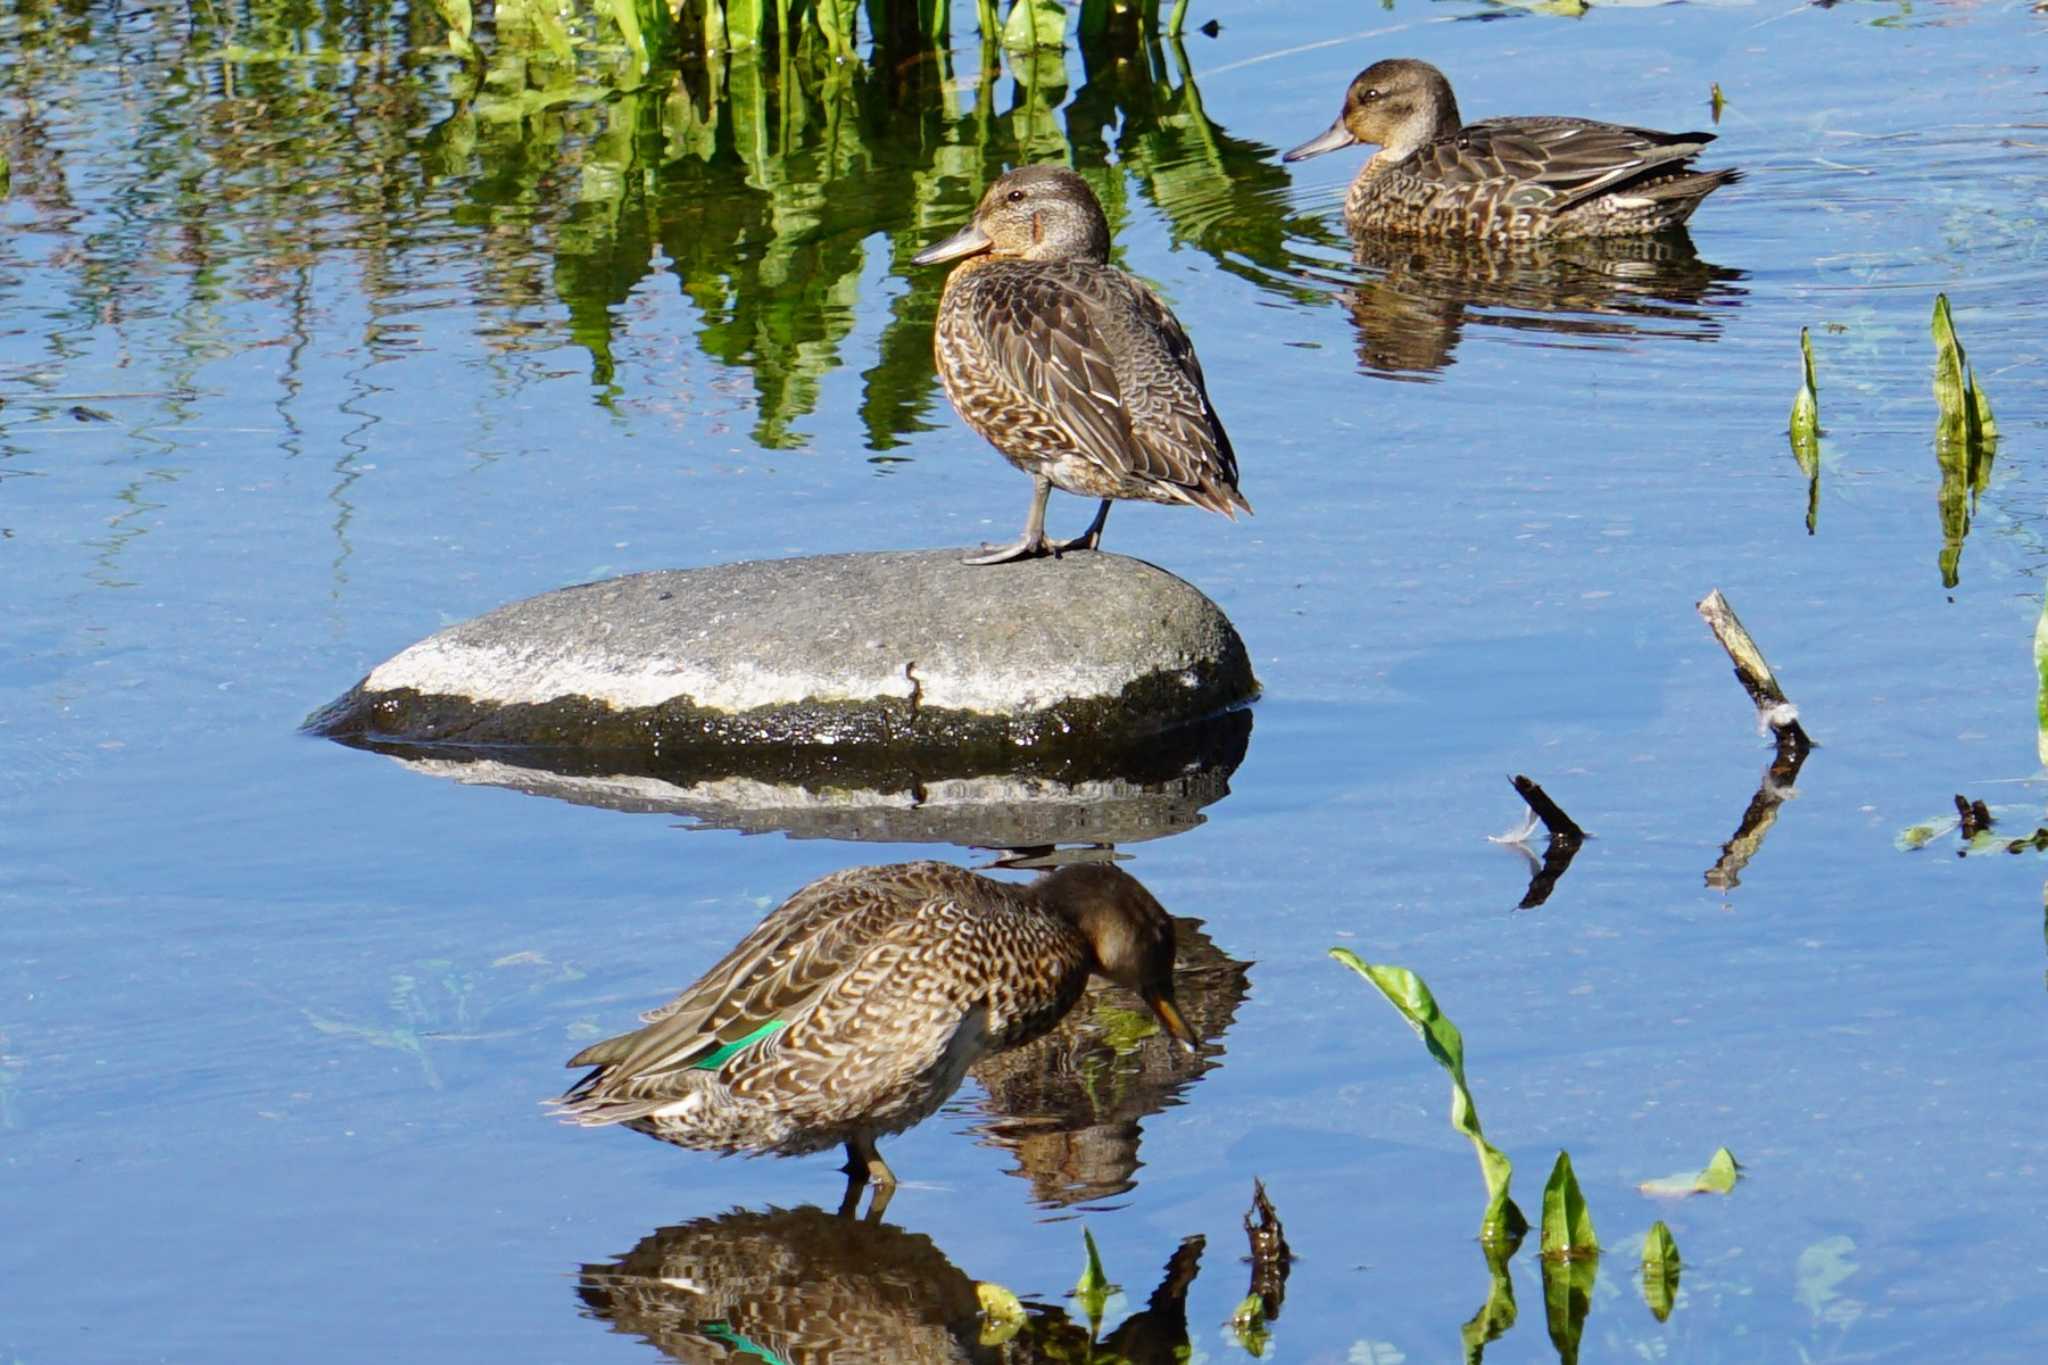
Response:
column 804, row 1285
column 1416, row 297
column 1156, row 787
column 1068, row 1106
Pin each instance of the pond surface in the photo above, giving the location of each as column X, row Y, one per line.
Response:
column 310, row 346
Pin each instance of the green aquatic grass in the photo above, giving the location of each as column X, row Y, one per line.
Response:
column 1405, row 991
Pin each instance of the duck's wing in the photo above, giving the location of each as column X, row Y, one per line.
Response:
column 774, row 974
column 1096, row 355
column 1555, row 163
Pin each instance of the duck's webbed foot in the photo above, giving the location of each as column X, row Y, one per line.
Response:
column 1032, row 543
column 1030, row 547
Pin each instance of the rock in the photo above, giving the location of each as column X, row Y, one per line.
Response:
column 879, row 658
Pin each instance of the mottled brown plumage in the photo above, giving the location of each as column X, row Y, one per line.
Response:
column 1071, row 368
column 854, row 1010
column 1504, row 179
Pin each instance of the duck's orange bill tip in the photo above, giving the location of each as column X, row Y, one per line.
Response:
column 1170, row 1015
column 965, row 242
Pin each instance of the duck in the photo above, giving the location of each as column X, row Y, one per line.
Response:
column 1504, row 179
column 1074, row 370
column 854, row 1009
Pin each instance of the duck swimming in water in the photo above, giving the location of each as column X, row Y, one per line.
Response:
column 1504, row 179
column 1071, row 368
column 853, row 1011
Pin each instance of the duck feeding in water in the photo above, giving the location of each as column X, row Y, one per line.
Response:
column 853, row 1011
column 1071, row 368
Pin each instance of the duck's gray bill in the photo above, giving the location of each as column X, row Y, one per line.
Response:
column 1337, row 137
column 965, row 242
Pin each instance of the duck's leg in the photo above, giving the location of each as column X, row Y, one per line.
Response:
column 1032, row 543
column 864, row 1163
column 1090, row 539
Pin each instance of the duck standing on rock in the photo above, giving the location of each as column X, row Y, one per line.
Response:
column 1071, row 368
column 854, row 1010
column 1504, row 179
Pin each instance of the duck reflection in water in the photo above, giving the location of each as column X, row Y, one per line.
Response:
column 1068, row 1106
column 1415, row 297
column 805, row 1285
column 856, row 1008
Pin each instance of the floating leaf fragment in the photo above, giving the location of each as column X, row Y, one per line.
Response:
column 1660, row 1270
column 1717, row 1177
column 1805, row 424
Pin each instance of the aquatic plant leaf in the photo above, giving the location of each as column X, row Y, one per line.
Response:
column 1002, row 1313
column 1035, row 24
column 1965, row 411
column 461, row 21
column 1567, row 1224
column 1716, row 100
column 1093, row 1289
column 835, row 19
column 1717, row 1177
column 1405, row 991
column 1498, row 1313
column 1248, row 1324
column 1567, row 1298
column 1805, row 425
column 2041, row 686
column 1660, row 1270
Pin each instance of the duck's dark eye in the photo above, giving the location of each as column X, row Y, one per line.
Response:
column 1016, row 196
column 1368, row 96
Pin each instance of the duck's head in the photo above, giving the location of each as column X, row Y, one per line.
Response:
column 1129, row 934
column 1398, row 104
column 1034, row 213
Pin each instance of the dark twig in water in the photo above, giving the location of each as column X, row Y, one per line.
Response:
column 1271, row 1255
column 1560, row 825
column 1772, row 707
column 1565, row 839
column 1975, row 815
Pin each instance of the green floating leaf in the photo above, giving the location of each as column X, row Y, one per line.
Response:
column 1035, row 24
column 1718, row 1176
column 1002, row 1313
column 1093, row 1289
column 1405, row 991
column 1660, row 1271
column 1248, row 1324
column 1567, row 1225
column 1716, row 100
